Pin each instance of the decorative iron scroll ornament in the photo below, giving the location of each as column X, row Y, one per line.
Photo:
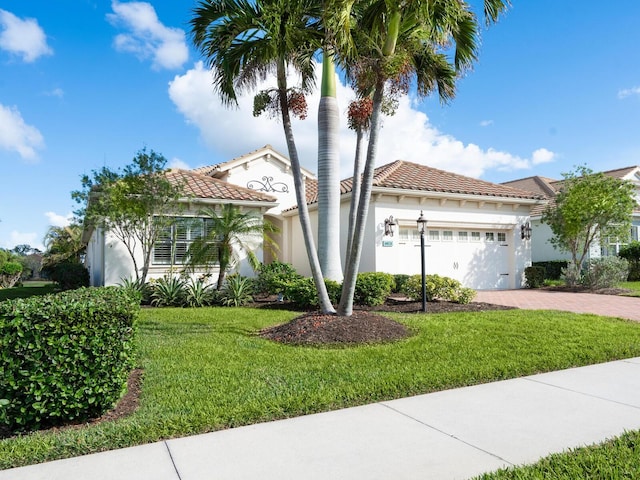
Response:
column 268, row 185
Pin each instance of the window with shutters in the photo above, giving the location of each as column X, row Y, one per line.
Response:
column 173, row 244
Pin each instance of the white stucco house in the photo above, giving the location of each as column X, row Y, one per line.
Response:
column 541, row 248
column 474, row 229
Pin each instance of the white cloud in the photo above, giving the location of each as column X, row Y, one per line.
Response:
column 147, row 37
column 486, row 123
column 408, row 135
column 627, row 92
column 57, row 220
column 16, row 135
column 178, row 164
column 20, row 238
column 22, row 37
column 56, row 92
column 542, row 155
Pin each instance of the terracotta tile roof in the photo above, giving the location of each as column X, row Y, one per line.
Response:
column 620, row 172
column 405, row 175
column 210, row 169
column 541, row 185
column 202, row 186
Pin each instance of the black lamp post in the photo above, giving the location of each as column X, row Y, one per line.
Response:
column 422, row 225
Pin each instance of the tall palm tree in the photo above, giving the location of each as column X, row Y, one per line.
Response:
column 227, row 234
column 401, row 43
column 244, row 41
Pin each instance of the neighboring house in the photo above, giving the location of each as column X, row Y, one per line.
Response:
column 473, row 230
column 541, row 248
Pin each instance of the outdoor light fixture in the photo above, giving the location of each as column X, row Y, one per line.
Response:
column 525, row 231
column 389, row 223
column 422, row 225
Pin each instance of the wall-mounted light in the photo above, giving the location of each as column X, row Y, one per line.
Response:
column 389, row 223
column 525, row 231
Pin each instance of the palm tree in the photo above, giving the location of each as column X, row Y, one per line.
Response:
column 244, row 41
column 227, row 234
column 63, row 244
column 401, row 43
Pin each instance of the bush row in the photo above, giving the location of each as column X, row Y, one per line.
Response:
column 64, row 357
column 631, row 253
column 371, row 289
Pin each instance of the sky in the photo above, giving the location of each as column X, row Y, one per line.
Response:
column 88, row 83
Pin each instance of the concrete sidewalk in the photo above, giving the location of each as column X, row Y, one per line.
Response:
column 451, row 434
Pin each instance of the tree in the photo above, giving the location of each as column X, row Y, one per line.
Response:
column 227, row 234
column 63, row 244
column 400, row 44
column 135, row 204
column 244, row 42
column 589, row 207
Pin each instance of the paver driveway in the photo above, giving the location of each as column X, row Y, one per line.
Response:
column 532, row 299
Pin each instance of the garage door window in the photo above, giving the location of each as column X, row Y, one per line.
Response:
column 463, row 236
column 489, row 237
column 447, row 236
column 434, row 235
column 502, row 237
column 475, row 236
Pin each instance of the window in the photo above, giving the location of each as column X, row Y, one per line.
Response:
column 434, row 235
column 447, row 236
column 489, row 237
column 502, row 237
column 173, row 244
column 408, row 234
column 463, row 236
column 475, row 236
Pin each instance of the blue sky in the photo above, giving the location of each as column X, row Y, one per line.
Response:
column 88, row 83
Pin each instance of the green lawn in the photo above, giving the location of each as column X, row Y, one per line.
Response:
column 205, row 369
column 615, row 459
column 29, row 289
column 633, row 286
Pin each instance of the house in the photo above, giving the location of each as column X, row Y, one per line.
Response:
column 474, row 228
column 541, row 248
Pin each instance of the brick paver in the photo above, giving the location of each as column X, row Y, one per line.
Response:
column 531, row 299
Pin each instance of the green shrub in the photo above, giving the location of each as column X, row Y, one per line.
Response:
column 69, row 275
column 606, row 272
column 138, row 288
column 302, row 292
column 197, row 293
column 571, row 275
column 10, row 274
column 534, row 276
column 64, row 357
column 437, row 287
column 373, row 288
column 168, row 292
column 272, row 277
column 400, row 280
column 552, row 268
column 236, row 291
column 631, row 253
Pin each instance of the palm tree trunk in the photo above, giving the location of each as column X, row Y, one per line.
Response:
column 349, row 285
column 355, row 190
column 303, row 210
column 329, row 174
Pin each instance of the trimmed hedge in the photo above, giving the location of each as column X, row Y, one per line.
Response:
column 534, row 276
column 373, row 288
column 65, row 357
column 302, row 292
column 552, row 268
column 69, row 275
column 437, row 287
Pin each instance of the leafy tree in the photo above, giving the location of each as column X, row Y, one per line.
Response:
column 588, row 207
column 244, row 42
column 135, row 204
column 399, row 44
column 227, row 234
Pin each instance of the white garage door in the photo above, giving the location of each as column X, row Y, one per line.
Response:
column 477, row 258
